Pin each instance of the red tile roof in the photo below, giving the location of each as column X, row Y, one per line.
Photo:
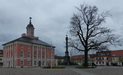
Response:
column 82, row 56
column 115, row 53
column 92, row 55
column 77, row 57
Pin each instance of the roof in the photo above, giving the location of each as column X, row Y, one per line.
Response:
column 92, row 55
column 82, row 56
column 59, row 57
column 115, row 53
column 77, row 57
column 30, row 26
column 31, row 40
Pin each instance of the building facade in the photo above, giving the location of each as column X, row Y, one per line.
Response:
column 1, row 57
column 28, row 51
column 59, row 59
column 102, row 58
column 79, row 59
column 109, row 58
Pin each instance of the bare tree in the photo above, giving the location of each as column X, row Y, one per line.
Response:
column 88, row 33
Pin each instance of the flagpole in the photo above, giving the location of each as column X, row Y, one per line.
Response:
column 51, row 54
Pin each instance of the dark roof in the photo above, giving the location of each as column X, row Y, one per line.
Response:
column 30, row 26
column 31, row 40
column 59, row 57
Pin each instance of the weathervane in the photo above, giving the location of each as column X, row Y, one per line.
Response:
column 30, row 19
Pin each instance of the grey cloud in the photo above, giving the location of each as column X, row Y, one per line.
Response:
column 50, row 18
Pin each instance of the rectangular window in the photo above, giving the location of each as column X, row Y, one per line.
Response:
column 21, row 62
column 21, row 54
column 48, row 56
column 21, row 45
column 35, row 47
column 0, row 59
column 38, row 48
column 43, row 56
column 43, row 63
column 107, row 58
column 34, row 55
column 15, row 63
column 28, row 62
column 28, row 46
column 39, row 55
column 28, row 53
column 107, row 54
column 1, row 54
column 34, row 62
column 116, row 58
column 43, row 48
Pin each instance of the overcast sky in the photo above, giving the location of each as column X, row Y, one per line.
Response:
column 51, row 19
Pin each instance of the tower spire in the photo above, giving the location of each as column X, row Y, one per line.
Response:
column 30, row 19
column 30, row 28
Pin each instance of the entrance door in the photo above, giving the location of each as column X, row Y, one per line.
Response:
column 8, row 63
column 107, row 63
column 39, row 63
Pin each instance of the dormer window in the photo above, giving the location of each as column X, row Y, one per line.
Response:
column 114, row 55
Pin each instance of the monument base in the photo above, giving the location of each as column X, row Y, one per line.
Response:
column 66, row 61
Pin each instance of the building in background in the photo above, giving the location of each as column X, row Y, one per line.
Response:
column 103, row 58
column 1, row 57
column 79, row 59
column 109, row 58
column 28, row 51
column 59, row 59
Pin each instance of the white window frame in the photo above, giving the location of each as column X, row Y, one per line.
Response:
column 29, row 47
column 21, row 62
column 34, row 55
column 34, row 62
column 21, row 53
column 28, row 54
column 28, row 62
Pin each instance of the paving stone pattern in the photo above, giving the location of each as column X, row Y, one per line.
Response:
column 106, row 71
column 32, row 71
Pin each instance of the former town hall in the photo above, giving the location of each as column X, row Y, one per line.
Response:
column 28, row 51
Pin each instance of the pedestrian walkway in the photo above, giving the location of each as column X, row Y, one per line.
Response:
column 80, row 71
column 72, row 68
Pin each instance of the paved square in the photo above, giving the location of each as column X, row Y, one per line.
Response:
column 105, row 70
column 33, row 71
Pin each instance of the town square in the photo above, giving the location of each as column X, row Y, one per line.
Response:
column 69, row 37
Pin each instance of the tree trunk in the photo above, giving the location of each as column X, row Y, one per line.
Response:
column 86, row 59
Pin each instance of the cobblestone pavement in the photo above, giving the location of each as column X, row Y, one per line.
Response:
column 100, row 70
column 104, row 70
column 32, row 71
